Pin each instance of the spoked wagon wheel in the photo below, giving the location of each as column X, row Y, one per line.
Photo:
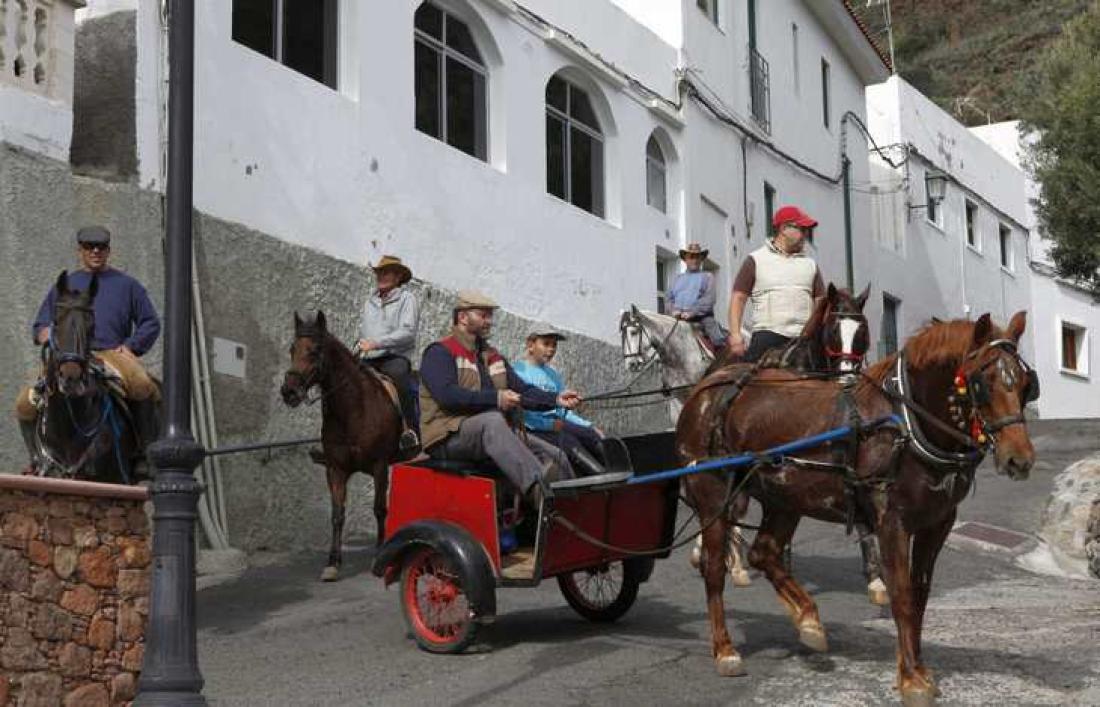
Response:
column 603, row 593
column 435, row 604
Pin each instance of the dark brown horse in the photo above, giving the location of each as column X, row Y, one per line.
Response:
column 908, row 478
column 84, row 431
column 834, row 340
column 360, row 425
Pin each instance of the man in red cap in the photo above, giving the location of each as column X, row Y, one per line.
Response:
column 781, row 282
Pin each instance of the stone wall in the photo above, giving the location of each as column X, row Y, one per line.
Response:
column 1068, row 525
column 251, row 283
column 74, row 586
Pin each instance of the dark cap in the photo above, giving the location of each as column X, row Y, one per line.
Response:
column 93, row 235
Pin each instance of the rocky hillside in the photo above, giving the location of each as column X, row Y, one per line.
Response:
column 969, row 55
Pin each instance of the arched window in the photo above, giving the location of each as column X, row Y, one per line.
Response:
column 574, row 147
column 450, row 81
column 656, row 184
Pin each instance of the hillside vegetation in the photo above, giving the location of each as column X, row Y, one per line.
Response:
column 970, row 56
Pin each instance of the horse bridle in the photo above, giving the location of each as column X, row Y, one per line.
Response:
column 972, row 389
column 82, row 354
column 306, row 383
column 631, row 319
column 832, row 354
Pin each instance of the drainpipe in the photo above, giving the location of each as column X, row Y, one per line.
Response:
column 848, row 223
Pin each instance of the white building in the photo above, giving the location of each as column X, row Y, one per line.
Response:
column 456, row 133
column 1064, row 316
column 961, row 257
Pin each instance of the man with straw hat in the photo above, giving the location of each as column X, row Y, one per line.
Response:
column 693, row 294
column 467, row 393
column 387, row 336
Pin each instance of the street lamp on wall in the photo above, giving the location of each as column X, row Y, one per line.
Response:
column 935, row 189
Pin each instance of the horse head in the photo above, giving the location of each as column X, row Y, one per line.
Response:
column 306, row 358
column 838, row 330
column 637, row 345
column 73, row 325
column 991, row 388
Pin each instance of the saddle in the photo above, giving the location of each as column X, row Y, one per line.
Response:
column 387, row 384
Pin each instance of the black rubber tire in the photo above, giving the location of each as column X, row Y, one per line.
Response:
column 605, row 593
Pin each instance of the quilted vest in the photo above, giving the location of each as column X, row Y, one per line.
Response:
column 782, row 296
column 435, row 422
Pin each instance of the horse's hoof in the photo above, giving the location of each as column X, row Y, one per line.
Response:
column 330, row 574
column 729, row 666
column 740, row 578
column 877, row 594
column 919, row 698
column 812, row 635
column 696, row 557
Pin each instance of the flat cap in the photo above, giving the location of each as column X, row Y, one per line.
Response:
column 542, row 330
column 93, row 234
column 472, row 299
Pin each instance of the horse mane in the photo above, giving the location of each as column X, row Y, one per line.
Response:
column 936, row 343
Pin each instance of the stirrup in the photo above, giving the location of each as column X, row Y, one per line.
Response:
column 409, row 441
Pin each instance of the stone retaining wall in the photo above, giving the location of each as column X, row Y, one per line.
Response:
column 74, row 591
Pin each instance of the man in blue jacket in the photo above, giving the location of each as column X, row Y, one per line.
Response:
column 126, row 327
column 468, row 393
column 564, row 428
column 693, row 294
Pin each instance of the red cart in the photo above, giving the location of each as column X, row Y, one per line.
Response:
column 597, row 535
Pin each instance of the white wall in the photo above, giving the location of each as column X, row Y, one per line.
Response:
column 345, row 172
column 1066, row 394
column 936, row 274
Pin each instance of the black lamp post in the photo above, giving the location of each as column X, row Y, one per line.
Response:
column 170, row 675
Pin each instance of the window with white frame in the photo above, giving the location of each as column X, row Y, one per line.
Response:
column 574, row 147
column 656, row 175
column 709, row 8
column 1074, row 349
column 1004, row 234
column 450, row 79
column 972, row 237
column 299, row 35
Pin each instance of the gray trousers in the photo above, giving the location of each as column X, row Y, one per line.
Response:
column 487, row 435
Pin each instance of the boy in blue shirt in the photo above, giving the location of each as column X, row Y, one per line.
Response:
column 576, row 436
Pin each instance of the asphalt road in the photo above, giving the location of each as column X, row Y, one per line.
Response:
column 994, row 633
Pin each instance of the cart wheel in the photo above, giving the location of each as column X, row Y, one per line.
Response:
column 603, row 593
column 435, row 605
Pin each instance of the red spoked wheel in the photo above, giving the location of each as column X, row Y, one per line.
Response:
column 435, row 604
column 602, row 593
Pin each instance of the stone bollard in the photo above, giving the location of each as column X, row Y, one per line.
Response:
column 74, row 591
column 1069, row 523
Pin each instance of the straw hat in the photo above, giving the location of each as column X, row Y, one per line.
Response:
column 694, row 249
column 390, row 261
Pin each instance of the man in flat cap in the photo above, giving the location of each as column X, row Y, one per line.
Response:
column 782, row 284
column 693, row 294
column 559, row 426
column 467, row 390
column 126, row 327
column 387, row 336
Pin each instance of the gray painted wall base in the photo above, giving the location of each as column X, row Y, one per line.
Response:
column 251, row 285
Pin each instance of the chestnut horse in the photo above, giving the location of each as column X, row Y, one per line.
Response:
column 360, row 425
column 907, row 478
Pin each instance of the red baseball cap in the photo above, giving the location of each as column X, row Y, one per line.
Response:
column 792, row 214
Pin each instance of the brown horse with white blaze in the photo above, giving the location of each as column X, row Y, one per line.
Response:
column 360, row 424
column 907, row 480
